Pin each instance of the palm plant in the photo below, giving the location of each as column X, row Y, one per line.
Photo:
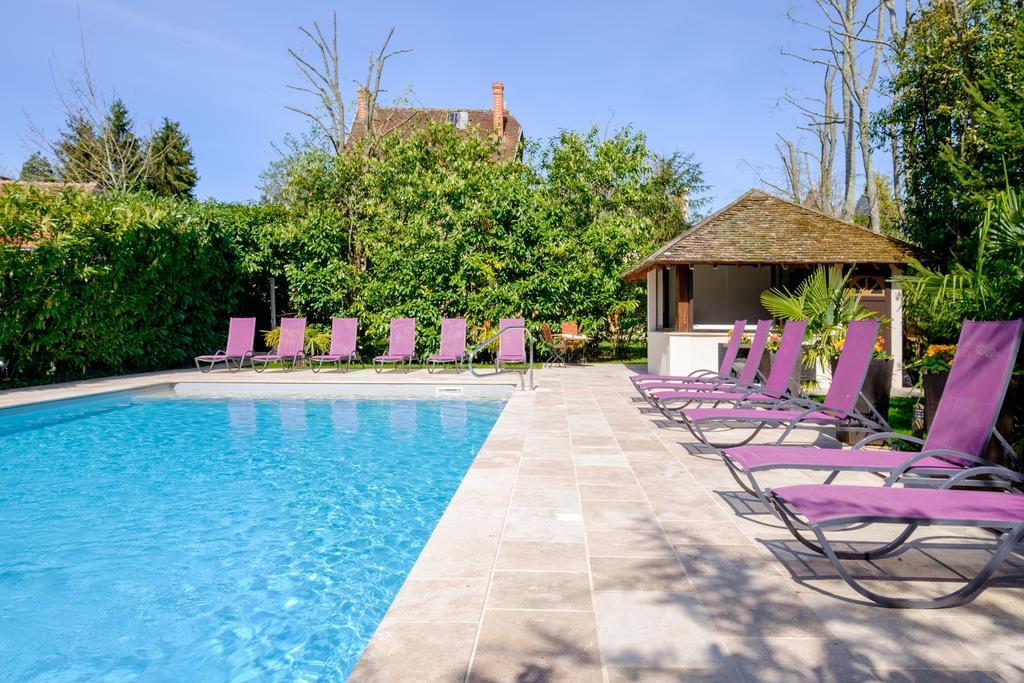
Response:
column 318, row 339
column 826, row 303
column 992, row 285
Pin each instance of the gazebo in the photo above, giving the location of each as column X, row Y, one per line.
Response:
column 702, row 280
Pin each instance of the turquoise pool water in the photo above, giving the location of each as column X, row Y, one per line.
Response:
column 153, row 537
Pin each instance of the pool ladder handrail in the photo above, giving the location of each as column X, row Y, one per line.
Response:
column 487, row 342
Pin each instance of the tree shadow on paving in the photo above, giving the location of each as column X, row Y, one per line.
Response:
column 550, row 657
column 773, row 635
column 749, row 507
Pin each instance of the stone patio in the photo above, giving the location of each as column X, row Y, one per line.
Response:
column 588, row 543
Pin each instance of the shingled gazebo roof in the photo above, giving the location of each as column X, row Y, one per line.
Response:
column 759, row 229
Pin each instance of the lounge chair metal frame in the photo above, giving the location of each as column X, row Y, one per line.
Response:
column 406, row 362
column 238, row 361
column 440, row 358
column 336, row 354
column 807, row 412
column 850, row 420
column 403, row 359
column 316, row 363
column 275, row 357
column 1012, row 535
column 237, row 326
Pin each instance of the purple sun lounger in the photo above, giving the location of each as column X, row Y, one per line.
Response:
column 821, row 508
column 776, row 388
column 511, row 344
column 453, row 345
column 401, row 344
column 964, row 423
column 690, row 391
column 838, row 409
column 343, row 345
column 290, row 345
column 725, row 370
column 241, row 335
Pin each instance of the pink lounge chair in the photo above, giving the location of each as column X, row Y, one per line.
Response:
column 775, row 389
column 511, row 344
column 725, row 370
column 241, row 336
column 401, row 345
column 822, row 509
column 290, row 345
column 453, row 345
column 964, row 422
column 838, row 408
column 343, row 345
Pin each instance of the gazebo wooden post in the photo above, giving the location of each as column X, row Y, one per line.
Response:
column 684, row 305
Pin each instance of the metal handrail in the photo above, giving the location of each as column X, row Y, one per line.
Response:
column 487, row 342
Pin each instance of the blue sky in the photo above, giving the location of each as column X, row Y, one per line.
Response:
column 700, row 77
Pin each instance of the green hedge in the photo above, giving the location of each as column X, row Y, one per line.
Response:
column 113, row 284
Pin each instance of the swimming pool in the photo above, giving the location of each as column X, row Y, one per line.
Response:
column 168, row 537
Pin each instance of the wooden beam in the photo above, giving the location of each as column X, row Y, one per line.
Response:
column 684, row 306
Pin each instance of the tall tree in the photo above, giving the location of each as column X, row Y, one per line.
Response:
column 322, row 80
column 37, row 168
column 847, row 28
column 172, row 171
column 959, row 116
column 106, row 152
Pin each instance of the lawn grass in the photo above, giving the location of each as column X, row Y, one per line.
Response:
column 901, row 414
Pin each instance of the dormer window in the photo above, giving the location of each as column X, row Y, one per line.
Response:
column 459, row 119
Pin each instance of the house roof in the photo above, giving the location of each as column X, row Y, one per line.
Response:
column 760, row 229
column 408, row 120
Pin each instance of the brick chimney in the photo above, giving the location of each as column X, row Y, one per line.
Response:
column 498, row 112
column 361, row 104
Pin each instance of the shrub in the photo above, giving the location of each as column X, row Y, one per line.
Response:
column 94, row 285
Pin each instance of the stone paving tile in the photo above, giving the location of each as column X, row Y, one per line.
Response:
column 416, row 652
column 656, row 629
column 601, row 515
column 520, row 646
column 564, row 499
column 439, row 601
column 650, row 543
column 543, row 524
column 542, row 556
column 638, row 574
column 540, row 590
column 611, row 492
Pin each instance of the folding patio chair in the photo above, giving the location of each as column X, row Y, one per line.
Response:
column 290, row 345
column 558, row 351
column 964, row 423
column 837, row 410
column 241, row 336
column 344, row 332
column 453, row 345
column 401, row 344
column 821, row 508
